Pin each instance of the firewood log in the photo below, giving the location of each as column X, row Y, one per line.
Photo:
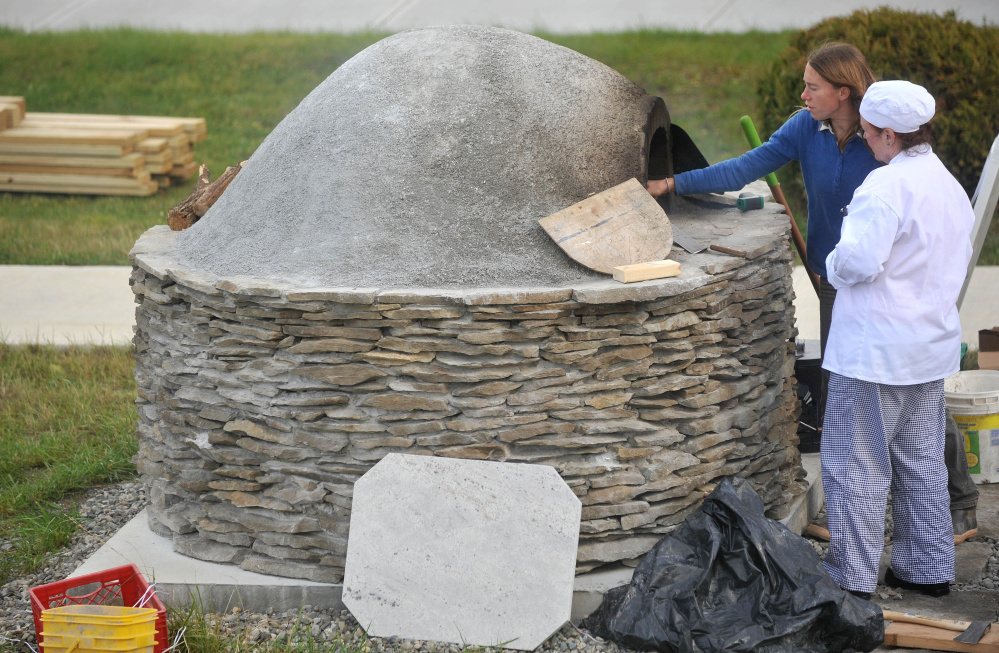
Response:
column 206, row 192
column 215, row 190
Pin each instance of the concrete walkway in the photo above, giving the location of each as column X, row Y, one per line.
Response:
column 561, row 16
column 61, row 305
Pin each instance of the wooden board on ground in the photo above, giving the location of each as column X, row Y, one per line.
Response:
column 46, row 121
column 42, row 179
column 195, row 127
column 149, row 188
column 937, row 639
column 125, row 162
column 622, row 225
column 93, row 153
column 183, row 171
column 646, row 271
column 16, row 100
column 126, row 138
column 152, row 145
column 63, row 149
column 11, row 111
column 128, row 173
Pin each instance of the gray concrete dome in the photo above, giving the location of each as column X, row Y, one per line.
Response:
column 426, row 161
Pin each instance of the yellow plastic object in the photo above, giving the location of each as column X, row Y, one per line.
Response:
column 99, row 628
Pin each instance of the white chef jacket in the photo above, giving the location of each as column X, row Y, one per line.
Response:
column 898, row 268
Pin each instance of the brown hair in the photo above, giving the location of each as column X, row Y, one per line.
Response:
column 914, row 142
column 842, row 64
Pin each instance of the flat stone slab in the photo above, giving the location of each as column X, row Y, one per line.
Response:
column 472, row 552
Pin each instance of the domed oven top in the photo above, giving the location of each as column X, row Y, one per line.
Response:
column 427, row 161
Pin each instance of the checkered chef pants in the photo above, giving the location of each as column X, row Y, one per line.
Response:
column 877, row 437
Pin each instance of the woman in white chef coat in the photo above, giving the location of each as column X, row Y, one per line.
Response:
column 895, row 335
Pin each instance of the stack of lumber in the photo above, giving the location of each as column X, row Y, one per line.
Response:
column 93, row 153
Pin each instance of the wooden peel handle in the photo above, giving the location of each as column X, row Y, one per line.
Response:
column 946, row 624
column 799, row 242
column 749, row 129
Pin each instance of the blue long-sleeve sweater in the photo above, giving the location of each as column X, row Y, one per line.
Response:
column 830, row 176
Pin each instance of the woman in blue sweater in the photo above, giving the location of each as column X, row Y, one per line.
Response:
column 825, row 138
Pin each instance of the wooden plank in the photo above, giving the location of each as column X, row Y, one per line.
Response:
column 133, row 173
column 160, row 167
column 646, row 271
column 126, row 162
column 181, row 142
column 63, row 149
column 44, row 120
column 184, row 171
column 11, row 115
column 192, row 125
column 937, row 639
column 149, row 189
column 196, row 128
column 17, row 101
column 37, row 136
column 152, row 145
column 41, row 179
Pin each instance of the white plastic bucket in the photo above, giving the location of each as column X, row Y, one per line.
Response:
column 973, row 400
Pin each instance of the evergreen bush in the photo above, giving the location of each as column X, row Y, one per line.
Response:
column 957, row 62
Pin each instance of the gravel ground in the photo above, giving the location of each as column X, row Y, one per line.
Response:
column 105, row 510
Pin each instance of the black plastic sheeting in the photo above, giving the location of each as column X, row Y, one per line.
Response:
column 729, row 579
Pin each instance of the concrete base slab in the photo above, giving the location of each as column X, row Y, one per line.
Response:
column 181, row 580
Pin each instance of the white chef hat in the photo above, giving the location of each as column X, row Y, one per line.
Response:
column 899, row 105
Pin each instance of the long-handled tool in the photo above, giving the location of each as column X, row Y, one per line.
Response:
column 799, row 243
column 971, row 632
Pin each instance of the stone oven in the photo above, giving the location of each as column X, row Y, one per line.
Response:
column 375, row 281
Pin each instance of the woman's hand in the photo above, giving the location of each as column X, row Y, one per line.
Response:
column 657, row 187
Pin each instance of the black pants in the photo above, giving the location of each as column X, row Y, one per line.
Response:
column 960, row 486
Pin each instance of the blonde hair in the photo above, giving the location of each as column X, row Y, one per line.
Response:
column 842, row 64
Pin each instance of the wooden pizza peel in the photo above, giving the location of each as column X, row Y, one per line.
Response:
column 622, row 225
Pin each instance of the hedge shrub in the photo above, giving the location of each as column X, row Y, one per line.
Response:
column 957, row 62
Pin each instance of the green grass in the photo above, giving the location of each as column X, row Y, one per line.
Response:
column 243, row 85
column 206, row 630
column 67, row 421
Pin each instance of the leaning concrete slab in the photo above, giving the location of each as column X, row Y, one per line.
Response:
column 472, row 552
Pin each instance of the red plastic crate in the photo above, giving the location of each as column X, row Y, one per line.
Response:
column 119, row 586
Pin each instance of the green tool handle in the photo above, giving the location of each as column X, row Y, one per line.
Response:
column 799, row 243
column 754, row 141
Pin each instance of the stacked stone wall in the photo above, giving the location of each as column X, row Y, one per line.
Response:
column 260, row 405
